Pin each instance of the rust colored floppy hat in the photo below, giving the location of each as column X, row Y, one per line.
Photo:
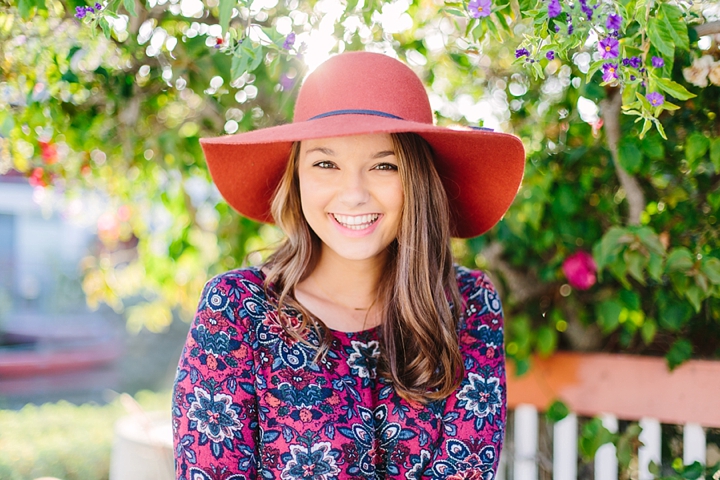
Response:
column 359, row 93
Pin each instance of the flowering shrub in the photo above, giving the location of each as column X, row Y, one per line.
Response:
column 126, row 109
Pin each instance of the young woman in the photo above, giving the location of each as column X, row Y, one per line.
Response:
column 358, row 350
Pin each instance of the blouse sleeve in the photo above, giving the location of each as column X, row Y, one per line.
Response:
column 474, row 416
column 214, row 409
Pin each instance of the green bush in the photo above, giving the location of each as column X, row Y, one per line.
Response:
column 63, row 440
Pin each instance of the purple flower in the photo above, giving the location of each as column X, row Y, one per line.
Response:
column 554, row 8
column 614, row 22
column 609, row 48
column 522, row 52
column 286, row 82
column 634, row 62
column 586, row 10
column 609, row 72
column 80, row 12
column 658, row 62
column 479, row 8
column 289, row 41
column 550, row 55
column 580, row 268
column 98, row 7
column 571, row 29
column 656, row 99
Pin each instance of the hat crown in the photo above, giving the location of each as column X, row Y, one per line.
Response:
column 363, row 81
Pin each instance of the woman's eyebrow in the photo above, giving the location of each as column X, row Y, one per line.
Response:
column 384, row 153
column 323, row 150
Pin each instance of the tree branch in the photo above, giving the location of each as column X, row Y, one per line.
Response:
column 523, row 286
column 709, row 28
column 610, row 108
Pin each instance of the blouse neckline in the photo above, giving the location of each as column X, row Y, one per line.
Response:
column 372, row 331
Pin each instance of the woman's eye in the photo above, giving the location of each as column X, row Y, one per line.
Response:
column 324, row 164
column 386, row 166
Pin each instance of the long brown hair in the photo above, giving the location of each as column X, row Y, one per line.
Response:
column 419, row 347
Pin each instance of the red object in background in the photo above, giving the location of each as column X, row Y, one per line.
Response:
column 37, row 178
column 49, row 152
column 580, row 269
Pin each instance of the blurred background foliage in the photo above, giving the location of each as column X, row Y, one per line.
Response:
column 120, row 115
column 63, row 440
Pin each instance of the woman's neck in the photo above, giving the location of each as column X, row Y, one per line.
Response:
column 352, row 283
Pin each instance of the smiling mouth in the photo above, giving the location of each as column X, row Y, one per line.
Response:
column 358, row 222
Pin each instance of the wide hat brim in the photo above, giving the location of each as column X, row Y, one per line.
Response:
column 481, row 170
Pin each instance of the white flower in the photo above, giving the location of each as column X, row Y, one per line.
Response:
column 697, row 73
column 714, row 75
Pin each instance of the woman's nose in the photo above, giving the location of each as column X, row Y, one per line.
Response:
column 352, row 190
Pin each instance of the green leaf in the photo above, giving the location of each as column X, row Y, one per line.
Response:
column 593, row 436
column 715, row 153
column 130, row 7
column 452, row 11
column 693, row 471
column 636, row 261
column 608, row 315
column 24, row 7
column 653, row 147
column 679, row 259
column 702, row 282
column 660, row 37
column 710, row 266
column 610, row 245
column 105, row 27
column 257, row 58
column 673, row 19
column 557, row 411
column 680, row 281
column 239, row 66
column 648, row 330
column 594, row 67
column 655, row 266
column 629, row 155
column 695, row 295
column 630, row 299
column 696, row 145
column 674, row 89
column 679, row 352
column 673, row 314
column 226, row 8
column 546, row 340
column 650, row 240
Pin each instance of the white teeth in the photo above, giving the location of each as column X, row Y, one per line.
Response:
column 358, row 222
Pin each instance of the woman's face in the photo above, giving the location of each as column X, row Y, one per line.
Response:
column 351, row 194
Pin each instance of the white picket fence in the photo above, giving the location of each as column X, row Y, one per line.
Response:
column 520, row 457
column 612, row 387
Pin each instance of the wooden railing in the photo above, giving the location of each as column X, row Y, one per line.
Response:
column 613, row 387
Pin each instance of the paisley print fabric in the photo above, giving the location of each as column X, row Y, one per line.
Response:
column 249, row 402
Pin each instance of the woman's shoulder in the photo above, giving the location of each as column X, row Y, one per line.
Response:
column 246, row 276
column 236, row 293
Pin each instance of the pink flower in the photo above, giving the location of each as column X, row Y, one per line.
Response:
column 580, row 268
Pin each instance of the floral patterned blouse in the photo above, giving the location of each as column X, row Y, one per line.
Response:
column 249, row 402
